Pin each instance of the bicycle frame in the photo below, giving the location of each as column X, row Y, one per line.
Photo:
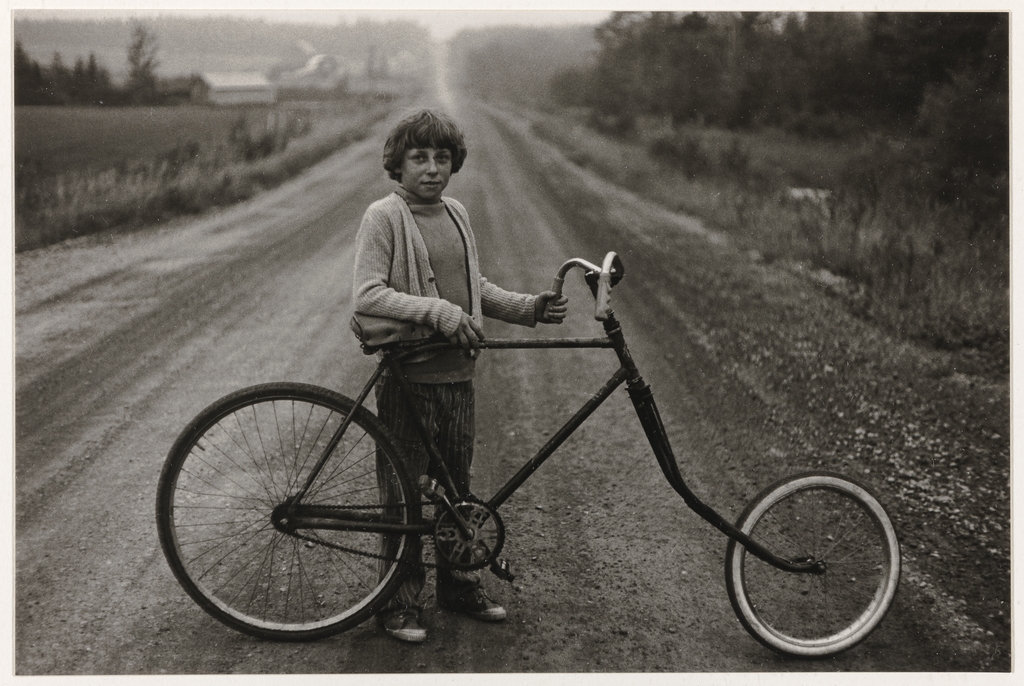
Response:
column 310, row 517
column 280, row 536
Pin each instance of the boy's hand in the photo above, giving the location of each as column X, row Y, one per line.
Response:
column 468, row 335
column 550, row 308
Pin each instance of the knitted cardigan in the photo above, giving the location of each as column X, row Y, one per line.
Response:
column 393, row 276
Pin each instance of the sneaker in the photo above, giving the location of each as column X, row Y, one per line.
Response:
column 476, row 604
column 404, row 626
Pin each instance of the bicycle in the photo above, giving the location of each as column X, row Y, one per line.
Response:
column 284, row 511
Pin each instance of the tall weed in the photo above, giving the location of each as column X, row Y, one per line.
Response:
column 928, row 270
column 259, row 152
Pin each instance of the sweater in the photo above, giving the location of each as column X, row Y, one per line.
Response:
column 393, row 276
column 447, row 252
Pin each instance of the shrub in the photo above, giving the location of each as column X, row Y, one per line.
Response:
column 736, row 158
column 683, row 153
column 615, row 125
column 931, row 270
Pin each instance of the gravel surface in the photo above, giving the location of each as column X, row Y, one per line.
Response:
column 759, row 372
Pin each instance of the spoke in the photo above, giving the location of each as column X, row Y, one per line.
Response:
column 270, row 578
column 340, row 464
column 869, row 563
column 345, row 561
column 293, row 478
column 290, row 456
column 848, row 531
column 210, row 539
column 280, row 442
column 221, row 523
column 373, row 488
column 245, row 582
column 263, row 449
column 243, row 506
column 310, row 584
column 305, row 429
column 254, row 576
column 203, row 460
column 228, row 553
column 247, row 450
column 291, row 569
column 254, row 523
column 247, row 508
column 335, row 488
column 319, row 433
column 770, row 521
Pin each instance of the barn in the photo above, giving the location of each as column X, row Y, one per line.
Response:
column 234, row 88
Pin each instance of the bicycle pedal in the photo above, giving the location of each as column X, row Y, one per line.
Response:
column 502, row 569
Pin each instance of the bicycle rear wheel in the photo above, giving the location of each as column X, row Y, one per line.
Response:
column 240, row 459
column 822, row 517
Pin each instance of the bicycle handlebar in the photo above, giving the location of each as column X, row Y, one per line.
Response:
column 556, row 285
column 603, row 308
column 602, row 294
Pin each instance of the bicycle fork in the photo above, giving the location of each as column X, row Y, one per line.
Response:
column 650, row 419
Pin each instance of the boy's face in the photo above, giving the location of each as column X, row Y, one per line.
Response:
column 426, row 172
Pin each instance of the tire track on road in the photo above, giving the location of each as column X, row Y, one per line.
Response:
column 224, row 291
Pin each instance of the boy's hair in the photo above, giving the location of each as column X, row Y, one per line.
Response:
column 425, row 129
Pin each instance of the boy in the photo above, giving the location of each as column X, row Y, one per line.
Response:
column 416, row 260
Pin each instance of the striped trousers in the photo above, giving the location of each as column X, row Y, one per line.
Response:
column 448, row 410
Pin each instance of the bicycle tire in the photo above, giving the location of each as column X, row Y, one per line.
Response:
column 240, row 458
column 829, row 518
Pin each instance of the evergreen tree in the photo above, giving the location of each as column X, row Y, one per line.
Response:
column 99, row 88
column 28, row 78
column 58, row 81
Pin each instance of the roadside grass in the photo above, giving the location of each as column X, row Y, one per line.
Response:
column 55, row 140
column 259, row 150
column 924, row 270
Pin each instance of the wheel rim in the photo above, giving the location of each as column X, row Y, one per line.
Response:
column 828, row 519
column 244, row 463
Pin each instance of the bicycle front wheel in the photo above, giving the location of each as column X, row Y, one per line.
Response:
column 821, row 517
column 244, row 456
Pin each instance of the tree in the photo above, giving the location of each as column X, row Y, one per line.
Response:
column 79, row 82
column 965, row 122
column 59, row 87
column 142, row 64
column 913, row 50
column 99, row 89
column 28, row 78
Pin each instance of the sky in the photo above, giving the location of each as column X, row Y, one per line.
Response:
column 444, row 22
column 445, row 18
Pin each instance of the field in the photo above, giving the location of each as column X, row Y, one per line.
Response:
column 54, row 140
column 81, row 170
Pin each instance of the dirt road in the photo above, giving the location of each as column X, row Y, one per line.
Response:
column 121, row 340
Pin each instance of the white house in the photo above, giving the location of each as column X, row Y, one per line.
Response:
column 234, row 88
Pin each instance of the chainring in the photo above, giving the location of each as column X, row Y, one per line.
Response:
column 481, row 547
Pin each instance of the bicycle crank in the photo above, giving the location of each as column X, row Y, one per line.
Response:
column 477, row 544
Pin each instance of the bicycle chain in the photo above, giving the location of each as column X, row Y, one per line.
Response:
column 362, row 553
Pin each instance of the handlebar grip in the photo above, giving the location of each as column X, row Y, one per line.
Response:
column 556, row 286
column 603, row 308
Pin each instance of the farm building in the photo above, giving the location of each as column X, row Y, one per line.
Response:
column 319, row 71
column 234, row 88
